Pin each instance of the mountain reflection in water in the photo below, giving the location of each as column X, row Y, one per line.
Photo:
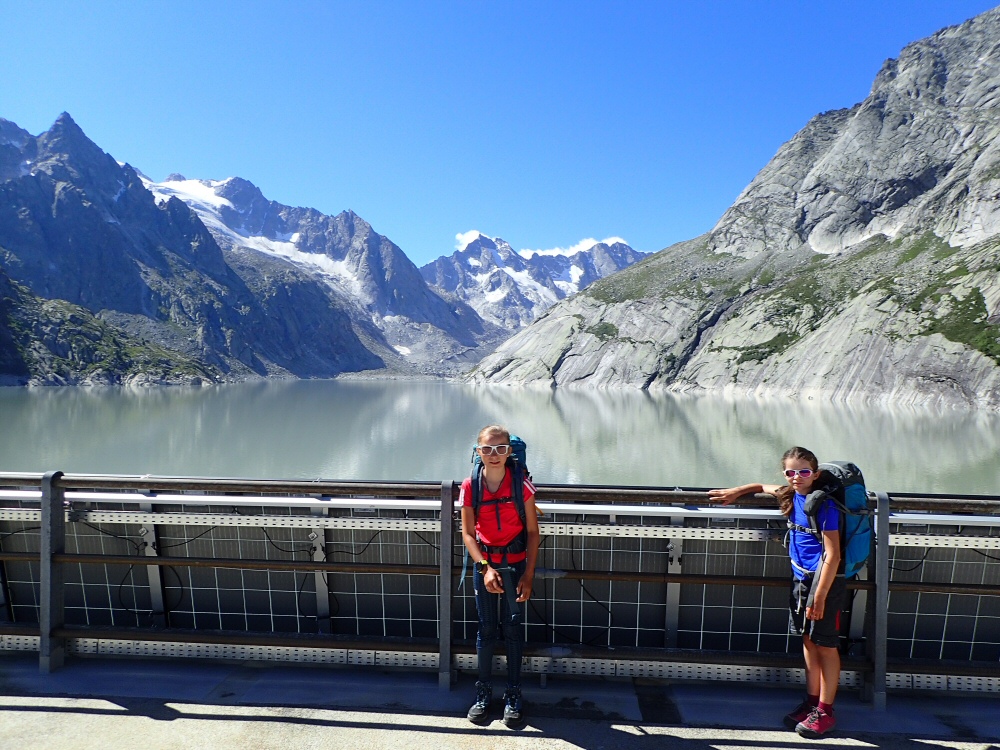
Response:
column 403, row 430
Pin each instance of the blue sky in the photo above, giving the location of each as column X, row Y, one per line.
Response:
column 543, row 123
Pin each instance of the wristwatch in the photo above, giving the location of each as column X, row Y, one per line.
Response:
column 483, row 566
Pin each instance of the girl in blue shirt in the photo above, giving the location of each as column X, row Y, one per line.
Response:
column 818, row 593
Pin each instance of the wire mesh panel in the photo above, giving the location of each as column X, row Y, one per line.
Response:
column 20, row 580
column 106, row 595
column 600, row 613
column 231, row 598
column 736, row 617
column 926, row 625
column 379, row 604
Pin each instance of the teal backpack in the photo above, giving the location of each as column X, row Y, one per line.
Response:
column 845, row 486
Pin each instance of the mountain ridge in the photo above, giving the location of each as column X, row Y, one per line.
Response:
column 861, row 263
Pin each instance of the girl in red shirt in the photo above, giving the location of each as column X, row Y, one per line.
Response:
column 496, row 538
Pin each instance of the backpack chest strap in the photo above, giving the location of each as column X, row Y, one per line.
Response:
column 804, row 529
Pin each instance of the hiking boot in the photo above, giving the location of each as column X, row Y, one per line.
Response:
column 512, row 715
column 816, row 724
column 480, row 711
column 800, row 714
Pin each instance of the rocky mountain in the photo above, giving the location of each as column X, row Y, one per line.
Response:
column 862, row 262
column 511, row 289
column 366, row 270
column 103, row 282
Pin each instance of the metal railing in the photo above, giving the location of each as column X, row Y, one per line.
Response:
column 677, row 527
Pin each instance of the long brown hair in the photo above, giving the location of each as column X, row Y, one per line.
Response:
column 786, row 493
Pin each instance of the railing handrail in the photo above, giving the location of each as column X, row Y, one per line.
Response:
column 578, row 493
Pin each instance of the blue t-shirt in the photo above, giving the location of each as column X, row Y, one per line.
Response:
column 804, row 549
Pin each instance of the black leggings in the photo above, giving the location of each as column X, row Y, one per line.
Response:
column 493, row 616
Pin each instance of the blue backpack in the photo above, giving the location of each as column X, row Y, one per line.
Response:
column 845, row 487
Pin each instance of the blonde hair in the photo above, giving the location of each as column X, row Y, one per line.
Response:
column 492, row 431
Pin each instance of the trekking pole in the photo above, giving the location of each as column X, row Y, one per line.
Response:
column 510, row 593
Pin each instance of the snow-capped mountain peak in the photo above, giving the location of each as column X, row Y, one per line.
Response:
column 512, row 288
column 580, row 247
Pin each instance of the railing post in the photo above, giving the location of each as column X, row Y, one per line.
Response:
column 51, row 595
column 157, row 599
column 323, row 536
column 879, row 676
column 863, row 628
column 673, row 600
column 444, row 589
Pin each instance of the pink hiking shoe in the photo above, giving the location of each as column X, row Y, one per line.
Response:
column 800, row 714
column 818, row 723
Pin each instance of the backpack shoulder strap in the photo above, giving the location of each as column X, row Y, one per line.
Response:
column 476, row 487
column 833, row 492
column 517, row 486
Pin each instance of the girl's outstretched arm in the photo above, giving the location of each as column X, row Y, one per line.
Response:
column 728, row 495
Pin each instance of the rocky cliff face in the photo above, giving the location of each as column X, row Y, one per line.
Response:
column 862, row 263
column 90, row 256
column 511, row 289
column 371, row 276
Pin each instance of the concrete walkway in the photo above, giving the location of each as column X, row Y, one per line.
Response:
column 110, row 704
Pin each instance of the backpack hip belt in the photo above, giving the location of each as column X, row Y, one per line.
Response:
column 515, row 546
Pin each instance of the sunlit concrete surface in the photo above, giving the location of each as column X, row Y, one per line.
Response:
column 108, row 705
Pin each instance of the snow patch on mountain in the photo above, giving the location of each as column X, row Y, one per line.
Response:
column 202, row 197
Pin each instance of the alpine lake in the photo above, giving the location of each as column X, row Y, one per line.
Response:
column 424, row 430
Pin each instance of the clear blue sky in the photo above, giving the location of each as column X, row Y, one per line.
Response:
column 543, row 123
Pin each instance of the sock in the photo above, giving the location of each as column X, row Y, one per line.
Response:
column 812, row 700
column 826, row 708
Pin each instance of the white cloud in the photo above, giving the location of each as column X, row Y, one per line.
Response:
column 464, row 239
column 579, row 247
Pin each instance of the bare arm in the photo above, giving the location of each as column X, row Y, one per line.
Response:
column 828, row 572
column 492, row 578
column 728, row 495
column 524, row 586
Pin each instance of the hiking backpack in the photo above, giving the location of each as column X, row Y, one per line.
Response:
column 849, row 496
column 517, row 462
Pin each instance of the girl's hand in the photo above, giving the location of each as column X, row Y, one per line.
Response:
column 524, row 589
column 492, row 581
column 815, row 612
column 730, row 494
column 727, row 495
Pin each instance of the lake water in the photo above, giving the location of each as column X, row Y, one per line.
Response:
column 400, row 430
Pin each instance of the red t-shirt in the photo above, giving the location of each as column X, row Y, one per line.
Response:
column 488, row 530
